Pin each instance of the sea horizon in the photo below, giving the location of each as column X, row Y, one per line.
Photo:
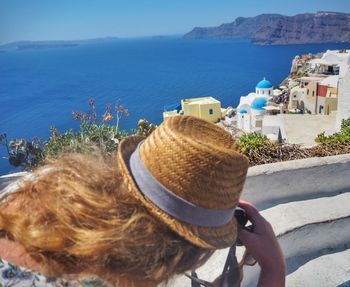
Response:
column 41, row 88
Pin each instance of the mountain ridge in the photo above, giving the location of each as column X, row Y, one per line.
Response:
column 270, row 29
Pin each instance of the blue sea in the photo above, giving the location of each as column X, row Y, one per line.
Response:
column 40, row 88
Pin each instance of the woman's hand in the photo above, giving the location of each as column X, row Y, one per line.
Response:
column 262, row 244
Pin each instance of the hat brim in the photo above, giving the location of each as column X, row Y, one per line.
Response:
column 209, row 238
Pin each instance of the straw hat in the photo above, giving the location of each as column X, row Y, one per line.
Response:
column 198, row 162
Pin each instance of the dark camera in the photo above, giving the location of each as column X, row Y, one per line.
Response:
column 241, row 216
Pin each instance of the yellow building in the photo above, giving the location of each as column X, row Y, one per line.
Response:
column 315, row 95
column 327, row 95
column 303, row 97
column 308, row 103
column 206, row 108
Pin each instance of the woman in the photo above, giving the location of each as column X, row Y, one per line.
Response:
column 160, row 208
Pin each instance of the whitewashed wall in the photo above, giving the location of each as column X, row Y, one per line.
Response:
column 343, row 99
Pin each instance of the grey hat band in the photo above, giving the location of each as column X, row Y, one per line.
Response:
column 171, row 203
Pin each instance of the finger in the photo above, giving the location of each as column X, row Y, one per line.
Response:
column 248, row 259
column 246, row 237
column 252, row 213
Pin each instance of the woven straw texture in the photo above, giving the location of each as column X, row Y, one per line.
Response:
column 198, row 161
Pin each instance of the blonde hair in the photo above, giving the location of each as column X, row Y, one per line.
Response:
column 80, row 214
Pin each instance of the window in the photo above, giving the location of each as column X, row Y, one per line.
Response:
column 307, row 91
column 313, row 93
column 211, row 111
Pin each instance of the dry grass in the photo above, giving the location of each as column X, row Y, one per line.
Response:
column 274, row 153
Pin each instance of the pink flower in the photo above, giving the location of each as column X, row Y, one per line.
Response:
column 77, row 115
column 108, row 117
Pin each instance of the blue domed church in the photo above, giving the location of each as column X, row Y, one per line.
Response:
column 252, row 107
column 264, row 87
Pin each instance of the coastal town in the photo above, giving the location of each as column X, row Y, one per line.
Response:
column 175, row 143
column 314, row 98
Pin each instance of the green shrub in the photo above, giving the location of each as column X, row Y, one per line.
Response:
column 341, row 137
column 254, row 142
column 103, row 133
column 103, row 136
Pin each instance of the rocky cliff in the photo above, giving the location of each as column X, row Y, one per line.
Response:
column 321, row 27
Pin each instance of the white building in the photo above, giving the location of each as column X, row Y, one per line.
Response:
column 273, row 128
column 343, row 98
column 330, row 62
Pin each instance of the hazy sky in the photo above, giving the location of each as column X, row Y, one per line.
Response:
column 81, row 19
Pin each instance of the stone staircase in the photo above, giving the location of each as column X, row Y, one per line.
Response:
column 318, row 270
column 308, row 204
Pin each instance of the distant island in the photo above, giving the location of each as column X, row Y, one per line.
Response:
column 22, row 45
column 276, row 29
